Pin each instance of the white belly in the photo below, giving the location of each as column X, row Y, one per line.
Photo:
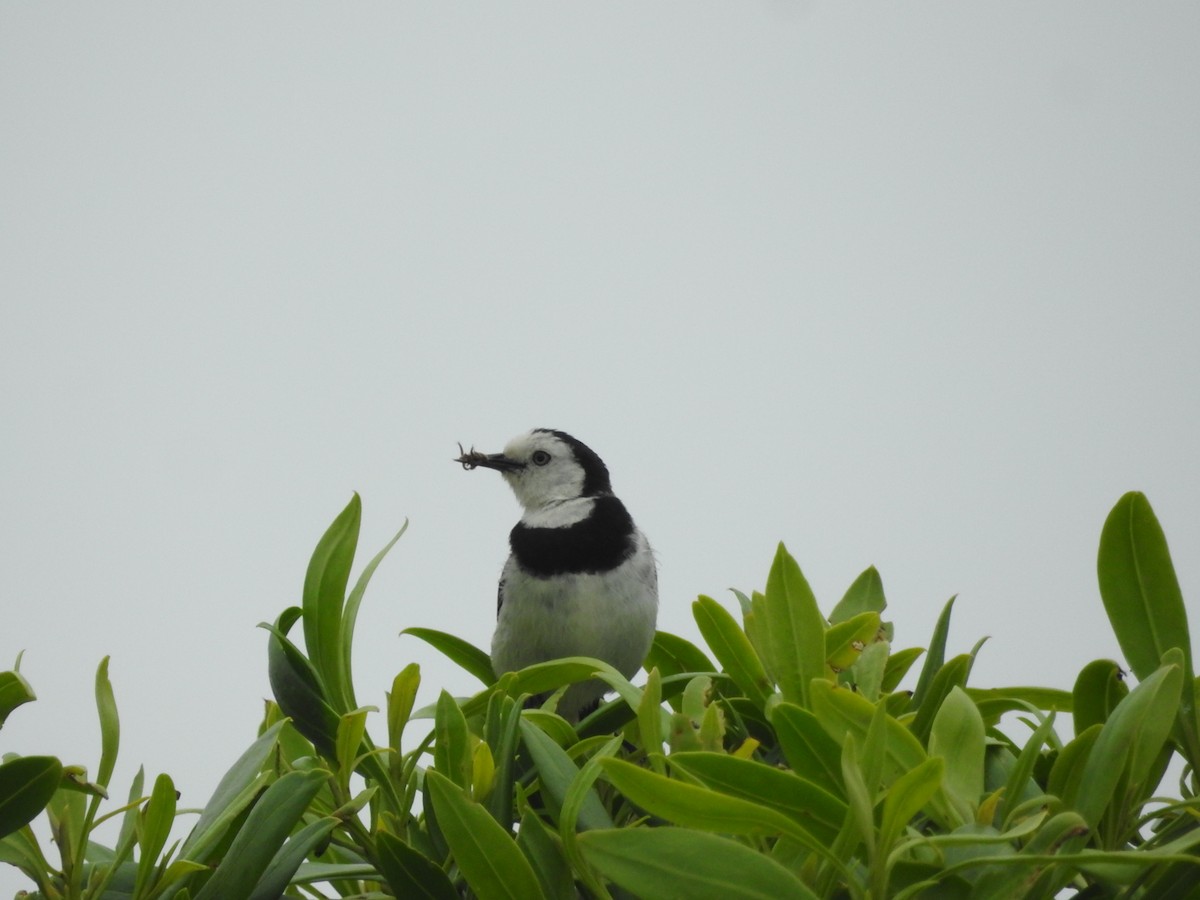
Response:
column 609, row 616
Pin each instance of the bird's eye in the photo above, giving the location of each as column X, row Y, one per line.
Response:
column 540, row 457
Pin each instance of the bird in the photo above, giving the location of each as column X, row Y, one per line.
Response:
column 581, row 578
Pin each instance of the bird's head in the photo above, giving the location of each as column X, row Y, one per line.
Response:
column 544, row 466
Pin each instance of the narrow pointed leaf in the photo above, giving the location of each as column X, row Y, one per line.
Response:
column 486, row 854
column 795, row 629
column 673, row 655
column 324, row 594
column 461, row 653
column 733, row 649
column 864, row 595
column 670, row 863
column 411, row 874
column 291, row 856
column 266, row 828
column 935, row 657
column 14, row 691
column 350, row 617
column 27, row 784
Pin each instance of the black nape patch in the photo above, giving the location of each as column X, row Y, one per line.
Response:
column 598, row 543
column 596, row 480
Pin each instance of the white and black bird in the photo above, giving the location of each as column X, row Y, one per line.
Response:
column 580, row 579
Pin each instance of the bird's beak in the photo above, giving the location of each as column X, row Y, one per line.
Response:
column 470, row 459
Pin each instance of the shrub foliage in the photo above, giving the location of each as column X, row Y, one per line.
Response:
column 784, row 759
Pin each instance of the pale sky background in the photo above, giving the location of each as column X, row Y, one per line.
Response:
column 905, row 286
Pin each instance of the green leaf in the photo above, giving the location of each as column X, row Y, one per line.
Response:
column 110, row 725
column 810, row 750
column 26, row 785
column 907, row 796
column 671, row 863
column 953, row 674
column 936, row 657
column 14, row 691
column 464, row 655
column 957, row 737
column 350, row 616
column 291, row 856
column 452, row 751
column 672, row 655
column 795, row 630
column 259, row 839
column 324, row 593
column 733, row 649
column 1099, row 687
column 545, row 852
column 898, row 664
column 502, row 732
column 864, row 595
column 352, row 728
column 1130, row 741
column 1145, row 606
column 400, row 702
column 846, row 640
column 650, row 720
column 409, row 873
column 1022, row 772
column 236, row 789
column 1138, row 586
column 298, row 687
column 488, row 857
column 557, row 772
column 698, row 807
column 815, row 809
column 156, row 820
column 842, row 712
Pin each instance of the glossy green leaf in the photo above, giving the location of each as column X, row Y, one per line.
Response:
column 650, row 720
column 935, row 657
column 814, row 808
column 463, row 654
column 864, row 595
column 291, row 856
column 400, row 702
column 846, row 640
column 733, row 649
column 957, row 736
column 795, row 629
column 235, row 791
column 698, row 807
column 811, row 751
column 869, row 669
column 409, row 873
column 898, row 664
column 110, row 725
column 907, row 796
column 673, row 863
column 486, row 854
column 350, row 617
column 324, row 595
column 843, row 712
column 352, row 728
column 1021, row 774
column 156, row 820
column 14, row 691
column 557, row 772
column 544, row 849
column 271, row 820
column 298, row 688
column 1130, row 741
column 27, row 783
column 1098, row 689
column 1138, row 586
column 1066, row 774
column 673, row 655
column 502, row 731
column 953, row 674
column 452, row 750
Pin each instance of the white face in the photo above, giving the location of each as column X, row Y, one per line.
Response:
column 550, row 471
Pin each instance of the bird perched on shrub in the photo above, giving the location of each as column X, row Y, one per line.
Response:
column 580, row 579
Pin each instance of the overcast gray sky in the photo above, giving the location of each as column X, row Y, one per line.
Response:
column 905, row 286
